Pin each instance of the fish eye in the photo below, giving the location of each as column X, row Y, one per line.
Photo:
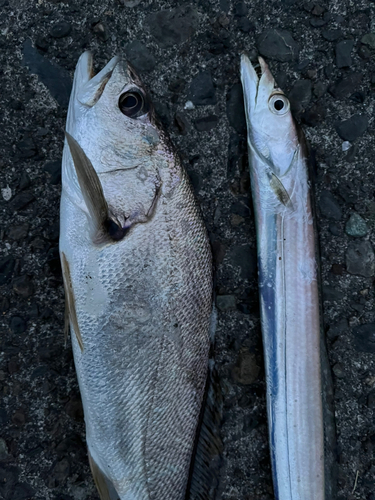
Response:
column 279, row 104
column 133, row 104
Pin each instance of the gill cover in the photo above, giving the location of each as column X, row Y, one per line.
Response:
column 105, row 226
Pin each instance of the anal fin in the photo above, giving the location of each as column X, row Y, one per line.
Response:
column 104, row 486
column 70, row 305
column 205, row 470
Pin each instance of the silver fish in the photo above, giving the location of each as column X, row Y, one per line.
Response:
column 138, row 281
column 288, row 287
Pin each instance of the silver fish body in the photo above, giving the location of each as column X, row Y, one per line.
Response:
column 139, row 296
column 288, row 287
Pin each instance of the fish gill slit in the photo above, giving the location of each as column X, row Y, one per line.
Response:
column 70, row 305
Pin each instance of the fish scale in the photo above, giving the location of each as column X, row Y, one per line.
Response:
column 143, row 303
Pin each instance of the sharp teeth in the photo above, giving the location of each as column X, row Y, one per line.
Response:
column 258, row 69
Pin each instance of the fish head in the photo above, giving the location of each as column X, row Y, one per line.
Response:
column 272, row 134
column 111, row 115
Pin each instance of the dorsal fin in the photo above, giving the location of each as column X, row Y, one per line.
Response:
column 105, row 228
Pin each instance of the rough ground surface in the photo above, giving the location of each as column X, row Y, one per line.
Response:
column 323, row 56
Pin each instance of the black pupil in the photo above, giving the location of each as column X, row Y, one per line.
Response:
column 132, row 104
column 278, row 105
column 130, row 101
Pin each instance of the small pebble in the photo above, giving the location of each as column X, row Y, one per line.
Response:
column 6, row 268
column 189, row 105
column 356, row 226
column 364, row 337
column 345, row 146
column 202, row 91
column 329, row 206
column 246, row 370
column 174, row 26
column 61, row 29
column 343, row 53
column 278, row 44
column 351, row 129
column 338, row 329
column 226, row 302
column 360, row 259
column 6, row 193
column 140, row 56
column 3, row 450
column 369, row 39
column 23, row 287
column 17, row 325
column 338, row 370
column 206, row 123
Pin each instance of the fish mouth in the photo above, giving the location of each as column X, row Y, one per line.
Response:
column 88, row 86
column 256, row 79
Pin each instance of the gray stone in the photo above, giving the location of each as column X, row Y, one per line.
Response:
column 130, row 3
column 235, row 109
column 100, row 30
column 245, row 257
column 54, row 170
column 139, row 56
column 6, row 268
column 300, row 95
column 329, row 206
column 369, row 39
column 206, row 123
column 3, row 450
column 338, row 370
column 55, row 78
column 225, row 302
column 338, row 329
column 202, row 90
column 356, row 226
column 371, row 400
column 17, row 325
column 364, row 338
column 246, row 370
column 278, row 44
column 61, row 29
column 23, row 287
column 344, row 86
column 18, row 232
column 175, row 26
column 332, row 294
column 351, row 129
column 21, row 200
column 360, row 259
column 343, row 53
column 331, row 35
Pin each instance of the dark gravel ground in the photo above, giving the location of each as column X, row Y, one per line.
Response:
column 323, row 56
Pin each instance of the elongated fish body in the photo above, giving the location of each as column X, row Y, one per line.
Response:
column 288, row 288
column 138, row 281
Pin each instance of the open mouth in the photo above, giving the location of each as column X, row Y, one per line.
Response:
column 90, row 86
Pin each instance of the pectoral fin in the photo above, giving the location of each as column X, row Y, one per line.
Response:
column 280, row 191
column 105, row 227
